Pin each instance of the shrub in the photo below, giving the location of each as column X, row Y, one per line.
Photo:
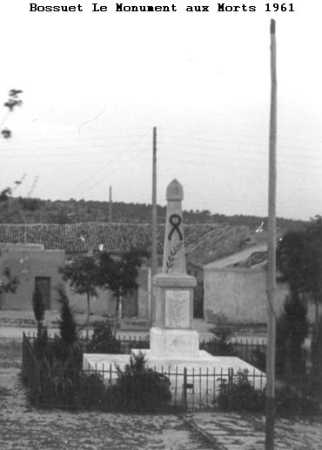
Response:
column 63, row 387
column 64, row 350
column 294, row 402
column 92, row 392
column 103, row 339
column 40, row 344
column 291, row 331
column 60, row 362
column 240, row 395
column 55, row 351
column 139, row 388
column 67, row 324
column 128, row 345
column 258, row 359
column 63, row 384
column 316, row 352
column 219, row 344
column 39, row 309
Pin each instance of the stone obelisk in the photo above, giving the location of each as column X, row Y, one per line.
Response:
column 172, row 334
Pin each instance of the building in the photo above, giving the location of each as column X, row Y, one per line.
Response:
column 235, row 288
column 232, row 286
column 35, row 266
column 204, row 242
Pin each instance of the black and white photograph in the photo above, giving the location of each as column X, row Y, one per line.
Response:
column 161, row 225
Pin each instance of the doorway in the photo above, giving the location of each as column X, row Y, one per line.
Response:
column 43, row 284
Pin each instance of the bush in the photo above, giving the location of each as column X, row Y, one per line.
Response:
column 293, row 402
column 39, row 309
column 103, row 340
column 40, row 344
column 67, row 324
column 65, row 349
column 55, row 351
column 72, row 389
column 128, row 345
column 63, row 384
column 316, row 352
column 219, row 344
column 240, row 395
column 291, row 331
column 139, row 388
column 92, row 391
column 258, row 359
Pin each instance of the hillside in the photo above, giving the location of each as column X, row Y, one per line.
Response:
column 33, row 210
column 204, row 242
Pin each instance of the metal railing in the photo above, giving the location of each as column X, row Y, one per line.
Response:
column 191, row 388
column 30, row 367
column 246, row 349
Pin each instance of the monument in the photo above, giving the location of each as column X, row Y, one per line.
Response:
column 172, row 334
column 174, row 345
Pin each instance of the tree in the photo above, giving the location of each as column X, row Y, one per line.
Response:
column 119, row 273
column 314, row 264
column 292, row 329
column 103, row 340
column 300, row 262
column 8, row 283
column 39, row 309
column 83, row 276
column 299, row 257
column 12, row 102
column 67, row 324
column 316, row 354
column 292, row 260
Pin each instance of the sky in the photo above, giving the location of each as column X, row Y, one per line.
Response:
column 95, row 84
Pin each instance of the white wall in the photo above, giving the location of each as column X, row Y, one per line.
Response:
column 239, row 295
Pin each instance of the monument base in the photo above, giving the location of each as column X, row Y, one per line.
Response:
column 173, row 343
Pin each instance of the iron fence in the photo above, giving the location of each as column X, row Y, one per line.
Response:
column 30, row 366
column 250, row 350
column 191, row 388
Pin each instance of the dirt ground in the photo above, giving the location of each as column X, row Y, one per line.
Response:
column 234, row 431
column 23, row 427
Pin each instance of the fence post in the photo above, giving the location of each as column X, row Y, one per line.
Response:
column 185, row 402
column 23, row 355
column 230, row 378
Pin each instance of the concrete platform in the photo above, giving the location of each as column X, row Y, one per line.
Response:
column 202, row 375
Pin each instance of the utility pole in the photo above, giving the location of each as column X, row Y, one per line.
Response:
column 154, row 255
column 271, row 268
column 110, row 205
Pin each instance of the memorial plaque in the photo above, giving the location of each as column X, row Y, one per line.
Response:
column 177, row 308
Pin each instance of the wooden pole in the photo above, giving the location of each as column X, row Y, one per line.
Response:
column 154, row 255
column 110, row 205
column 271, row 268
